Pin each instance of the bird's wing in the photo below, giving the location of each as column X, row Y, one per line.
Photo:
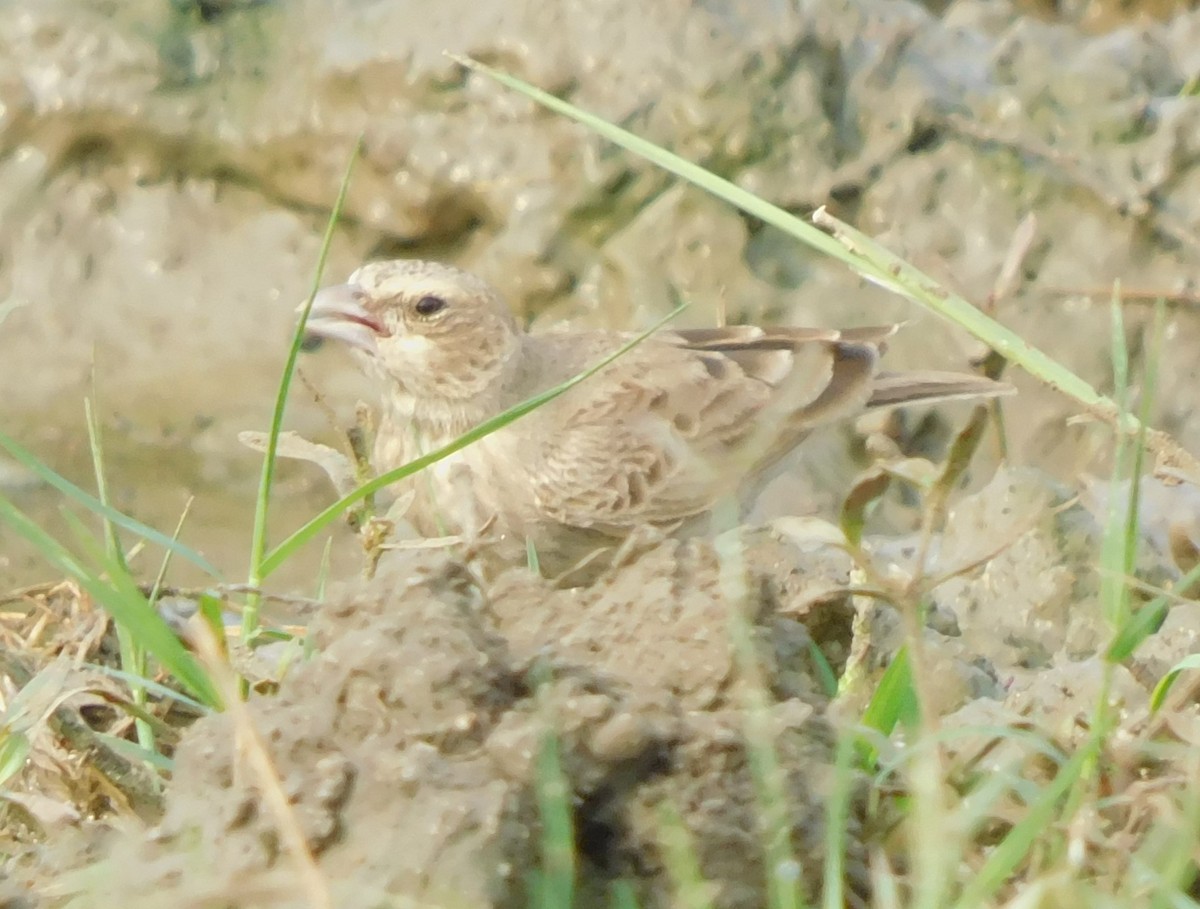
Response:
column 681, row 420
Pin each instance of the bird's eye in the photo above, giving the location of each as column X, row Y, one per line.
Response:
column 429, row 305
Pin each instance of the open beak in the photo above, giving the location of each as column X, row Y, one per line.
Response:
column 338, row 314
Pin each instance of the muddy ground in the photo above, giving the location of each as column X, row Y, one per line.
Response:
column 165, row 172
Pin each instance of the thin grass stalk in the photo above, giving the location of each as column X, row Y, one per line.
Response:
column 251, row 751
column 868, row 258
column 690, row 889
column 556, row 882
column 133, row 654
column 1007, row 856
column 837, row 820
column 258, row 542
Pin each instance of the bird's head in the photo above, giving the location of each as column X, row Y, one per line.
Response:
column 431, row 329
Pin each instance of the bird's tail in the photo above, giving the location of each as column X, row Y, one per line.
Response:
column 892, row 389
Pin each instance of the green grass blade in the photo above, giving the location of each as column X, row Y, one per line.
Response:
column 284, row 550
column 1007, row 856
column 1147, row 619
column 29, row 460
column 133, row 656
column 111, row 541
column 824, row 672
column 558, row 843
column 690, row 890
column 851, row 247
column 135, row 752
column 669, row 161
column 837, row 819
column 895, row 699
column 14, row 750
column 123, row 601
column 1145, row 622
column 1187, row 664
column 258, row 542
column 892, row 272
column 129, row 608
column 556, row 878
column 156, row 688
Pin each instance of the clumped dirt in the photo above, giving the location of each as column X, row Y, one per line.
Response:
column 409, row 746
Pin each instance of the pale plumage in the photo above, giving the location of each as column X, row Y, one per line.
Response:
column 656, row 438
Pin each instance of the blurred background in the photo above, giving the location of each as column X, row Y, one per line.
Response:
column 167, row 168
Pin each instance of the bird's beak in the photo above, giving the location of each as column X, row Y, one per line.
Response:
column 339, row 313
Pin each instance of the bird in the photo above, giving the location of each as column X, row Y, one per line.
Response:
column 653, row 441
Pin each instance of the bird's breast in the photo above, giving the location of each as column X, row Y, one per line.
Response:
column 464, row 491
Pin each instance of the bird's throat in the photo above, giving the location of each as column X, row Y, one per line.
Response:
column 432, row 423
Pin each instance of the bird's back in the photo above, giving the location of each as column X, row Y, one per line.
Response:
column 679, row 421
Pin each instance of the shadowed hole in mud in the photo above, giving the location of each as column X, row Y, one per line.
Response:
column 602, row 834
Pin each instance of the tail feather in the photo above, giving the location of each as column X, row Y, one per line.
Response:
column 894, row 388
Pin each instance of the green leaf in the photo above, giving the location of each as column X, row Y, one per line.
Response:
column 1159, row 694
column 14, row 750
column 894, row 702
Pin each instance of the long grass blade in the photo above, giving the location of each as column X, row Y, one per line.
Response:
column 837, row 820
column 133, row 655
column 682, row 863
column 134, row 752
column 1147, row 619
column 156, row 688
column 1007, row 856
column 31, row 461
column 258, row 542
column 555, row 880
column 851, row 247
